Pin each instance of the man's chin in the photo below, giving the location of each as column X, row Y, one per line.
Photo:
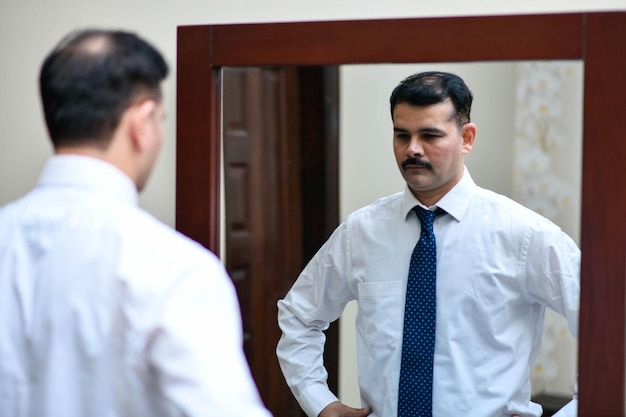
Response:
column 418, row 181
column 418, row 187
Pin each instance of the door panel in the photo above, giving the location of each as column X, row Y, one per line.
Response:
column 258, row 215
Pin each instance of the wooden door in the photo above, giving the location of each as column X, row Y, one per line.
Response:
column 267, row 178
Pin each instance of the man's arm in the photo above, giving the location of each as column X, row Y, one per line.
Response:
column 317, row 298
column 300, row 354
column 198, row 349
column 555, row 282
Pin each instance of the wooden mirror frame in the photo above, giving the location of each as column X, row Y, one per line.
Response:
column 595, row 38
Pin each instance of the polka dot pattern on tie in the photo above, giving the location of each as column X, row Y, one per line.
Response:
column 418, row 343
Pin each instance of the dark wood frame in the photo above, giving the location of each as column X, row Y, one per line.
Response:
column 596, row 38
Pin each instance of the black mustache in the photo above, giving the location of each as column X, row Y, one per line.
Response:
column 417, row 162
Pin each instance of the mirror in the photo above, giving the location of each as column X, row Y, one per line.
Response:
column 537, row 104
column 202, row 50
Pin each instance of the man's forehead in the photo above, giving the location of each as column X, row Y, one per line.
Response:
column 445, row 109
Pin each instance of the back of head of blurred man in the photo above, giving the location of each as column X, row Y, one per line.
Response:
column 101, row 96
column 104, row 310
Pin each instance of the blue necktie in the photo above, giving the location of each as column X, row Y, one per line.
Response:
column 415, row 397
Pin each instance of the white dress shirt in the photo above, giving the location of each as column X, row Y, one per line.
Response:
column 105, row 311
column 498, row 266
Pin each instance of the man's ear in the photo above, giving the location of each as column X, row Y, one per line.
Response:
column 468, row 133
column 141, row 119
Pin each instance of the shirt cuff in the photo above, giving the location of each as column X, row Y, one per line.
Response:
column 315, row 398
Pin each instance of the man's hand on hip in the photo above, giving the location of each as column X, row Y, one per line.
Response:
column 337, row 409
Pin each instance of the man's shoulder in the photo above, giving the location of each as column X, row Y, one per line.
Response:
column 153, row 255
column 505, row 207
column 154, row 232
column 380, row 207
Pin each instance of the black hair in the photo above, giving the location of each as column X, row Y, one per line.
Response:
column 433, row 87
column 91, row 78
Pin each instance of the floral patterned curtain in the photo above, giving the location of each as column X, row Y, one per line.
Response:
column 547, row 179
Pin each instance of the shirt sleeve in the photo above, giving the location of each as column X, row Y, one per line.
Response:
column 553, row 273
column 553, row 280
column 197, row 350
column 317, row 298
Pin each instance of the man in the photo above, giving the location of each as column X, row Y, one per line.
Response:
column 105, row 311
column 494, row 267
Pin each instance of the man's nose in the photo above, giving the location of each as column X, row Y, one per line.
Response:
column 416, row 147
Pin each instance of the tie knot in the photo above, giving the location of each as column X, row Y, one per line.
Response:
column 426, row 217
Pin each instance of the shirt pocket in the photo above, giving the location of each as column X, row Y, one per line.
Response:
column 380, row 306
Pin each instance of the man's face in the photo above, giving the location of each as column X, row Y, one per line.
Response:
column 430, row 149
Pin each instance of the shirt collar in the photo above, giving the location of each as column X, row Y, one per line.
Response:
column 88, row 173
column 455, row 202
